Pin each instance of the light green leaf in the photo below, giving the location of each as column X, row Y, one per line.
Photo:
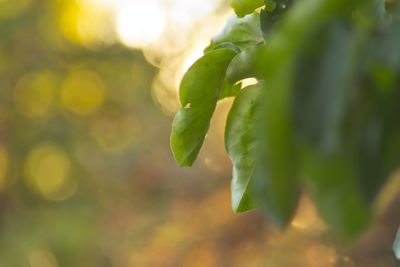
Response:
column 244, row 7
column 244, row 65
column 229, row 90
column 199, row 92
column 240, row 143
column 242, row 32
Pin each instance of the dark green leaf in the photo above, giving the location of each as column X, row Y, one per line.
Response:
column 240, row 143
column 275, row 174
column 244, row 7
column 270, row 17
column 276, row 186
column 325, row 84
column 333, row 183
column 199, row 92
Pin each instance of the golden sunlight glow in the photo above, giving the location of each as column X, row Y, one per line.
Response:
column 47, row 170
column 248, row 82
column 82, row 92
column 140, row 23
column 86, row 23
column 34, row 94
column 184, row 13
column 42, row 258
column 3, row 167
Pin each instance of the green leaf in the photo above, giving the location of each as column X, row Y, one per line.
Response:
column 334, row 186
column 272, row 14
column 229, row 90
column 325, row 83
column 275, row 177
column 240, row 143
column 275, row 183
column 244, row 65
column 244, row 7
column 242, row 32
column 199, row 92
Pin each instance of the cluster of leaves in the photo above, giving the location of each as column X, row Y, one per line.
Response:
column 322, row 116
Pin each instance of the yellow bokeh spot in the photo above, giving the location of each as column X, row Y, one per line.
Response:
column 115, row 133
column 34, row 93
column 68, row 21
column 86, row 23
column 3, row 167
column 47, row 170
column 135, row 27
column 82, row 92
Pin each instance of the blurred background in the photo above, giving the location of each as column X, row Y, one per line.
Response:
column 87, row 93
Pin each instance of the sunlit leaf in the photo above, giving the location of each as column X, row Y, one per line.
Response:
column 244, row 7
column 199, row 92
column 242, row 32
column 229, row 90
column 244, row 65
column 241, row 145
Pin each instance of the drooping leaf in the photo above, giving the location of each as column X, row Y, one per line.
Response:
column 275, row 177
column 334, row 186
column 240, row 143
column 326, row 76
column 326, row 85
column 199, row 92
column 275, row 183
column 244, row 7
column 379, row 152
column 242, row 32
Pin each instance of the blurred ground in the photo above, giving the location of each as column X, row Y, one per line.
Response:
column 86, row 174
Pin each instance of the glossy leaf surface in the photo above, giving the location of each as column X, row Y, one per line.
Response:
column 241, row 146
column 242, row 32
column 244, row 7
column 199, row 92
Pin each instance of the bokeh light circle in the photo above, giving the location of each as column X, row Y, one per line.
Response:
column 140, row 23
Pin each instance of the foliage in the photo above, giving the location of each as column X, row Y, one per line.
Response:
column 323, row 115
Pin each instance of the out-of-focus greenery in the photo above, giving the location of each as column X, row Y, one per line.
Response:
column 87, row 177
